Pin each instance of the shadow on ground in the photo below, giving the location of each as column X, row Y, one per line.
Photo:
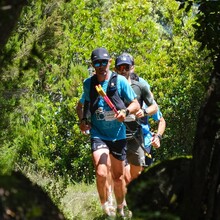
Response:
column 21, row 199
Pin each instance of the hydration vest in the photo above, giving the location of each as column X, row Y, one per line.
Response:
column 111, row 92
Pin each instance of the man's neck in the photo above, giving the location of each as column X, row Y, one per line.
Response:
column 129, row 80
column 104, row 77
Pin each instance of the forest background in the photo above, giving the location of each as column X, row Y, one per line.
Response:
column 47, row 57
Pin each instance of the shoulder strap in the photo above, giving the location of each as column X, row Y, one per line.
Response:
column 112, row 85
column 94, row 97
column 134, row 76
column 111, row 92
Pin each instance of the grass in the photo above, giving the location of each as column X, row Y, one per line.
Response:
column 77, row 201
column 81, row 202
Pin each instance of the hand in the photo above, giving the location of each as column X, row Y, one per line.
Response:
column 121, row 115
column 84, row 126
column 155, row 141
column 140, row 113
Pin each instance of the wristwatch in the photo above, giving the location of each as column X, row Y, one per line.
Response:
column 159, row 136
column 125, row 111
column 145, row 110
column 84, row 120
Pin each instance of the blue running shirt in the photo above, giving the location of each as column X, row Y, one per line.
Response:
column 104, row 125
column 146, row 127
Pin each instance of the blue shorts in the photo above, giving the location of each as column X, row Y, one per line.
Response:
column 116, row 148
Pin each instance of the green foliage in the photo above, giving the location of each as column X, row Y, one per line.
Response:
column 46, row 59
column 48, row 130
column 206, row 24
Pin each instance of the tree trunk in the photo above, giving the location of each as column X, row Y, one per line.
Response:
column 9, row 12
column 204, row 196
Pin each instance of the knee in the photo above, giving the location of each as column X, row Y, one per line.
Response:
column 118, row 179
column 135, row 172
column 101, row 174
column 135, row 175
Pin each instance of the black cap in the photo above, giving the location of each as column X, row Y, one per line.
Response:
column 100, row 54
column 123, row 59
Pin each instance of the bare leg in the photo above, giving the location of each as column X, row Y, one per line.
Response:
column 135, row 171
column 110, row 189
column 132, row 172
column 117, row 168
column 127, row 174
column 102, row 164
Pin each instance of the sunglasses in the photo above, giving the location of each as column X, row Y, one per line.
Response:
column 122, row 67
column 100, row 63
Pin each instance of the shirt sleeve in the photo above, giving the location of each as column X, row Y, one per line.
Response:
column 157, row 115
column 82, row 99
column 125, row 89
column 143, row 81
column 146, row 95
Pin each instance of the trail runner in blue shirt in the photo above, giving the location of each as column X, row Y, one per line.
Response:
column 108, row 133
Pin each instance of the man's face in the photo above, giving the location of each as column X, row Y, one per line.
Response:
column 124, row 70
column 101, row 66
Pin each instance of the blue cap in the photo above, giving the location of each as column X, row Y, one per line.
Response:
column 123, row 59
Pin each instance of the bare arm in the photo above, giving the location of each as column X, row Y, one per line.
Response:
column 157, row 137
column 133, row 107
column 152, row 109
column 161, row 126
column 148, row 98
column 84, row 125
column 79, row 110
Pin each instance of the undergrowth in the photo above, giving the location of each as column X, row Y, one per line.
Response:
column 77, row 201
